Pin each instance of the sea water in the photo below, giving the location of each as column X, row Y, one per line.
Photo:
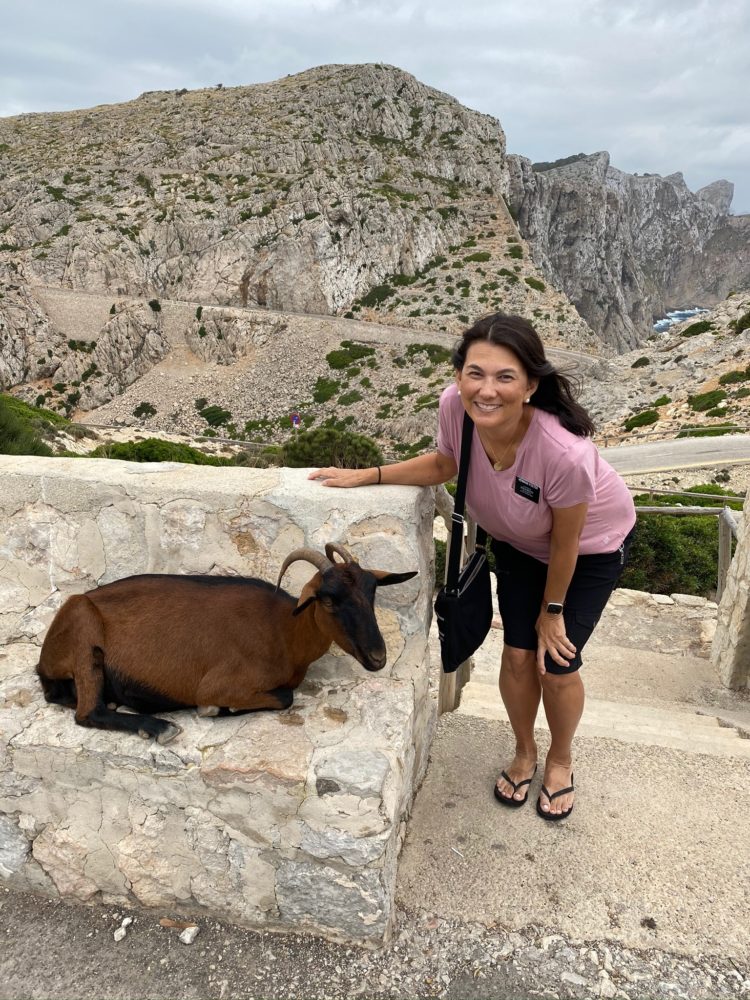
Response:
column 677, row 316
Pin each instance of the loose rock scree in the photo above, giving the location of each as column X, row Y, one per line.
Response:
column 221, row 644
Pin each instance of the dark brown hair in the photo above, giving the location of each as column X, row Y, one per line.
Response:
column 556, row 392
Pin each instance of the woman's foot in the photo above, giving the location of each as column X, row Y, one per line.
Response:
column 512, row 787
column 558, row 795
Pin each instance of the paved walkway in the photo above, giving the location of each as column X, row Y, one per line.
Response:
column 655, row 853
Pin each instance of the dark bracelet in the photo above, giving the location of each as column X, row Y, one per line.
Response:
column 380, row 476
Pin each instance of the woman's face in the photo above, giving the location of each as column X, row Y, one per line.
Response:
column 494, row 386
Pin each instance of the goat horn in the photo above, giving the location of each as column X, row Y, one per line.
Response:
column 318, row 560
column 332, row 547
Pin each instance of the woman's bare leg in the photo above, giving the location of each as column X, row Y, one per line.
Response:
column 563, row 697
column 520, row 689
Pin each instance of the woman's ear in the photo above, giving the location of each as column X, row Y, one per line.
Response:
column 533, row 386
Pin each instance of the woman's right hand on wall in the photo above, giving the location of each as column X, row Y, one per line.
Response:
column 345, row 478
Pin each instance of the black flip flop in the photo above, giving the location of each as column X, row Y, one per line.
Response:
column 514, row 803
column 554, row 817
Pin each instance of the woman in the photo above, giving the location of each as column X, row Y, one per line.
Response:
column 561, row 520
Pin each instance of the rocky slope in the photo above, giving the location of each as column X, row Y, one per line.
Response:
column 259, row 366
column 627, row 248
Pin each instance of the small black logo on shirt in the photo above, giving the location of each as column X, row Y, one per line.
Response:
column 526, row 489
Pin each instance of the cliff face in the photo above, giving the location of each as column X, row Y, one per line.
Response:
column 300, row 194
column 626, row 248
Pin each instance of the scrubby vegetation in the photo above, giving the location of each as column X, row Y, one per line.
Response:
column 677, row 554
column 326, row 446
column 157, row 450
column 642, row 419
column 22, row 427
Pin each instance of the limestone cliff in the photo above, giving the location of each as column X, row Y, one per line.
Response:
column 627, row 248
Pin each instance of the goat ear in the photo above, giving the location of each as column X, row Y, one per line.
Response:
column 386, row 579
column 301, row 607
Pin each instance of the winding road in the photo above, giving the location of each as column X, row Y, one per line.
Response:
column 683, row 453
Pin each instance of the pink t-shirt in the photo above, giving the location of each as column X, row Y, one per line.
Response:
column 553, row 468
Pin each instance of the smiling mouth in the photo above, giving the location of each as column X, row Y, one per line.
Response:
column 487, row 407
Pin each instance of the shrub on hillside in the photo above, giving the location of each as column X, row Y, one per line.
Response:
column 156, row 450
column 330, row 446
column 706, row 400
column 20, row 427
column 642, row 419
column 675, row 554
column 702, row 326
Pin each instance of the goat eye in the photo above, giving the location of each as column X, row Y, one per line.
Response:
column 327, row 603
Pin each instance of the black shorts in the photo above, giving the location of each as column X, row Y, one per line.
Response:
column 521, row 580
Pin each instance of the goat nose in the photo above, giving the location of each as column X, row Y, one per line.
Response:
column 378, row 660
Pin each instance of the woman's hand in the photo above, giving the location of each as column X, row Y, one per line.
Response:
column 550, row 630
column 345, row 477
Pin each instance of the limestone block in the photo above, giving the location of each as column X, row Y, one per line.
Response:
column 285, row 819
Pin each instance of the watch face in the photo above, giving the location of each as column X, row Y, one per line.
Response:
column 554, row 609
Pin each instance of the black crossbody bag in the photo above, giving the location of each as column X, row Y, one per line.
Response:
column 464, row 605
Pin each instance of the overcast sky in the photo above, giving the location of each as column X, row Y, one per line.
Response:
column 661, row 84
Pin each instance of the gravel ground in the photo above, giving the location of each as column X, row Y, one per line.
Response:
column 57, row 950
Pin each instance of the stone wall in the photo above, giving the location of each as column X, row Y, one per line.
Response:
column 731, row 645
column 289, row 819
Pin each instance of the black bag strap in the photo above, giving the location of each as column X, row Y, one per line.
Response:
column 457, row 518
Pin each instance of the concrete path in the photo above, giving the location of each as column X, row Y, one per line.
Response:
column 655, row 853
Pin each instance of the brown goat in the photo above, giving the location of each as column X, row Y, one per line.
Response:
column 158, row 643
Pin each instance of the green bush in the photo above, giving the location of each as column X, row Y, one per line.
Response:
column 325, row 389
column 702, row 326
column 706, row 400
column 215, row 416
column 156, row 450
column 535, row 283
column 20, row 427
column 155, row 305
column 326, row 446
column 641, row 362
column 642, row 419
column 743, row 323
column 144, row 410
column 515, row 252
column 729, row 378
column 350, row 397
column 348, row 354
column 662, row 401
column 676, row 554
column 377, row 295
column 481, row 256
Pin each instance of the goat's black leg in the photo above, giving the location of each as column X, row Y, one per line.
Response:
column 92, row 711
column 59, row 691
column 146, row 726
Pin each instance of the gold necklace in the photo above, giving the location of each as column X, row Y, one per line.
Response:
column 498, row 464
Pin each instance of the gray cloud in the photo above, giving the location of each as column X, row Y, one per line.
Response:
column 661, row 87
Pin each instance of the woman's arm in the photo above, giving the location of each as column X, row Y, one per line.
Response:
column 425, row 470
column 567, row 525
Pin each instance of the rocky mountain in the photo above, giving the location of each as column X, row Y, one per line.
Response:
column 626, row 248
column 180, row 247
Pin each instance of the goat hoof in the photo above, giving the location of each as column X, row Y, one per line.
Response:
column 168, row 734
column 207, row 711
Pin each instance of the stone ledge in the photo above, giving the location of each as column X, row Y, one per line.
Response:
column 289, row 820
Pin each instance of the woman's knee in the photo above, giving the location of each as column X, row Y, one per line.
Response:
column 554, row 683
column 518, row 662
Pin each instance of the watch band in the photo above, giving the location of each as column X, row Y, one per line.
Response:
column 554, row 608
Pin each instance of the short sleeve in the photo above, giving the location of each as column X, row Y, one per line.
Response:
column 571, row 480
column 445, row 438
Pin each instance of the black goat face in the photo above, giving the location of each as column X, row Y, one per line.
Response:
column 346, row 597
